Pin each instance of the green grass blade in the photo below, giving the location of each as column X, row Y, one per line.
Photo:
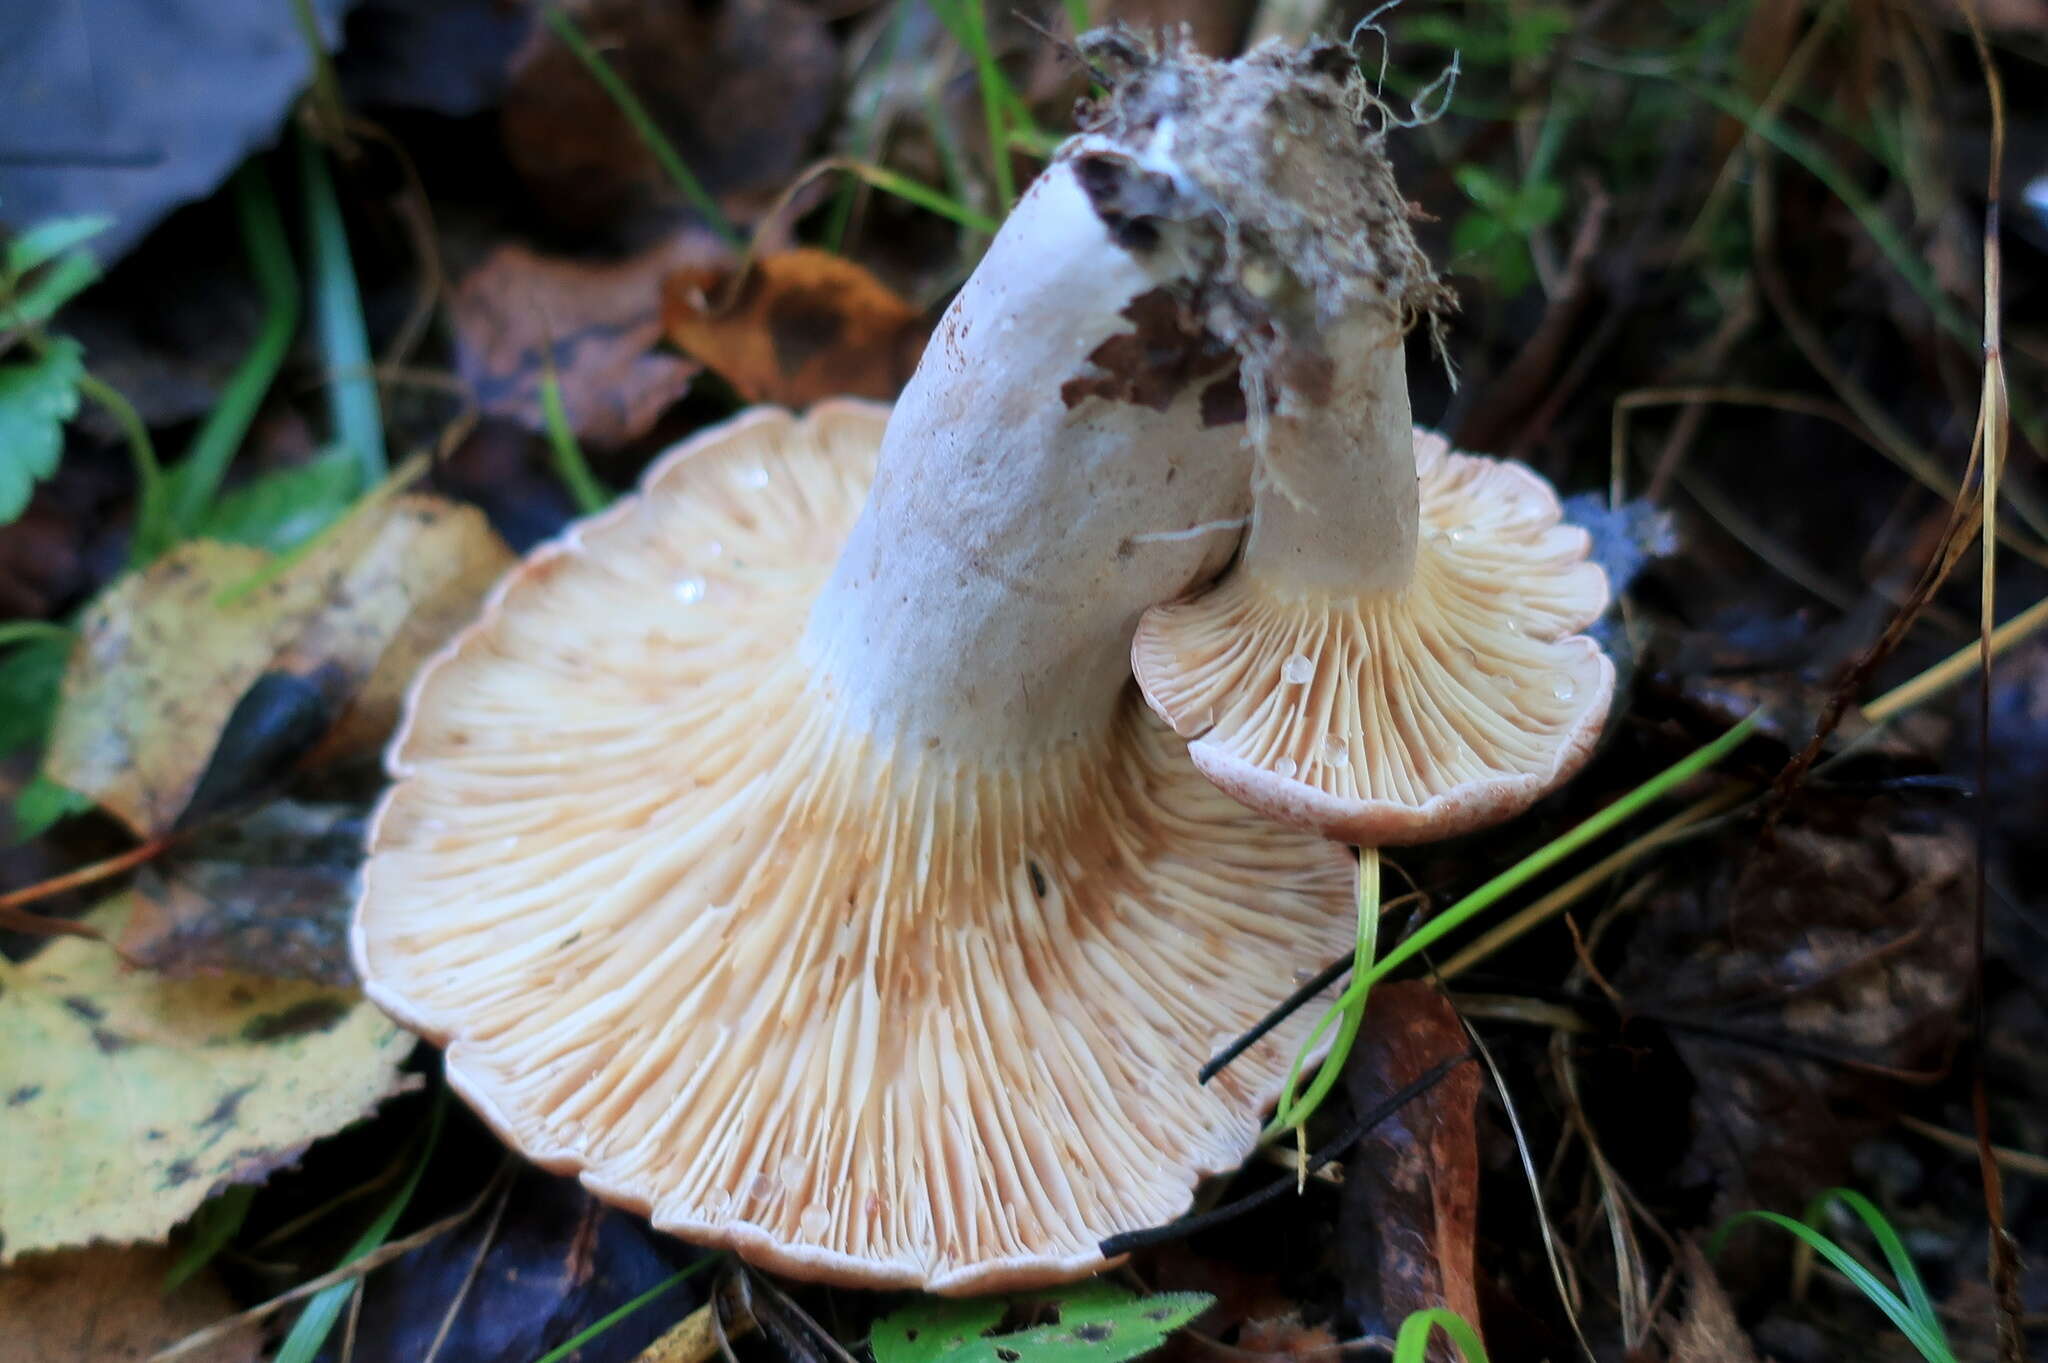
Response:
column 570, row 467
column 564, row 28
column 1077, row 15
column 1888, row 1243
column 198, row 476
column 924, row 196
column 153, row 530
column 1350, row 1006
column 1556, row 850
column 45, row 241
column 213, row 1225
column 309, row 1332
column 1411, row 1343
column 36, row 631
column 338, row 317
column 1930, row 1343
column 967, row 23
column 866, row 124
column 606, row 1322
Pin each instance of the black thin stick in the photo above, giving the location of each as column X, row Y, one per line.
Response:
column 1129, row 1240
column 1322, row 980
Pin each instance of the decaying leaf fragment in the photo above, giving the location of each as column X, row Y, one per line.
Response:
column 266, row 895
column 108, row 1305
column 126, row 1099
column 318, row 654
column 1411, row 1187
column 803, row 326
column 599, row 324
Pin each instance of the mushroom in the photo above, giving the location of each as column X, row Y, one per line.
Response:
column 786, row 852
column 1395, row 658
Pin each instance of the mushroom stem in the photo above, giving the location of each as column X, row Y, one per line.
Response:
column 988, row 593
column 1335, row 505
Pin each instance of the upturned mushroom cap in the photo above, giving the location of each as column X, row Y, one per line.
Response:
column 855, row 1008
column 1445, row 704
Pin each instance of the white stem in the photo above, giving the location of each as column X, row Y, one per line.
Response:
column 986, row 599
column 1336, row 504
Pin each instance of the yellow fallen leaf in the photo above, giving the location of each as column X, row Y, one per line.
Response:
column 126, row 1099
column 167, row 655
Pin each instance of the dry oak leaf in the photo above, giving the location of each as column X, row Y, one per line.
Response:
column 108, row 1305
column 166, row 655
column 803, row 326
column 598, row 321
column 127, row 1099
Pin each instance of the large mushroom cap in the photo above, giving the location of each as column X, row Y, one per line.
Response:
column 1451, row 703
column 862, row 1014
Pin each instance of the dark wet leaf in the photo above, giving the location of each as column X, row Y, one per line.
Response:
column 740, row 88
column 129, row 108
column 1098, row 1323
column 1798, row 981
column 1411, row 1187
column 447, row 56
column 267, row 895
column 559, row 1261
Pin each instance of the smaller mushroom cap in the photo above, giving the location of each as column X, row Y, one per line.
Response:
column 1452, row 703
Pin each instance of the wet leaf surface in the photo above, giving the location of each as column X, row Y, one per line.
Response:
column 108, row 1305
column 132, row 1098
column 597, row 322
column 1411, row 1187
column 803, row 326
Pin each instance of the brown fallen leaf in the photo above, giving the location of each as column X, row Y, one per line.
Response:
column 599, row 321
column 740, row 88
column 1708, row 1332
column 107, row 1305
column 190, row 686
column 1411, row 1187
column 805, row 325
column 267, row 895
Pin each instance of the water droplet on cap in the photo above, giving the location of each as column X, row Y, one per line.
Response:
column 690, row 590
column 1297, row 669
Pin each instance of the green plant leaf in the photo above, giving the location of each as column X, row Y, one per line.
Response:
column 51, row 290
column 37, row 397
column 281, row 510
column 1485, row 188
column 1098, row 1323
column 42, row 803
column 29, row 677
column 47, row 240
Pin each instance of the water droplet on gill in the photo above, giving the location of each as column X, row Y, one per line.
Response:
column 1511, row 625
column 1563, row 687
column 715, row 1202
column 1336, row 752
column 509, row 842
column 1285, row 768
column 756, row 476
column 690, row 590
column 714, row 549
column 1302, row 975
column 816, row 1220
column 791, row 1172
column 1297, row 669
column 1462, row 534
column 761, row 1187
